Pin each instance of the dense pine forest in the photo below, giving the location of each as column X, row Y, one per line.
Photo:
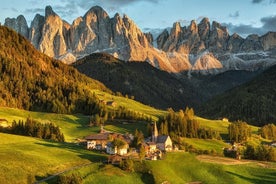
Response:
column 33, row 81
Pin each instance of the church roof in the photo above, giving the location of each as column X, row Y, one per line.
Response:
column 162, row 138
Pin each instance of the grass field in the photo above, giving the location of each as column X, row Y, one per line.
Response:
column 179, row 168
column 130, row 104
column 22, row 156
column 220, row 126
column 72, row 126
column 184, row 168
column 207, row 144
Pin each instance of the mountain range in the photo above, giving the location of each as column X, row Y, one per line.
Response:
column 33, row 81
column 206, row 47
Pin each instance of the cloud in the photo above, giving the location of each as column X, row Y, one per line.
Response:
column 257, row 1
column 110, row 5
column 234, row 15
column 34, row 10
column 244, row 30
column 268, row 24
column 260, row 1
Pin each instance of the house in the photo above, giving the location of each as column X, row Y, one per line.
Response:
column 104, row 141
column 273, row 144
column 111, row 103
column 151, row 147
column 225, row 119
column 3, row 123
column 112, row 150
column 97, row 141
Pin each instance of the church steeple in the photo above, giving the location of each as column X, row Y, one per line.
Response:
column 154, row 133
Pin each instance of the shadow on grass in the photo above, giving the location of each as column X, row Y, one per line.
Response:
column 147, row 178
column 82, row 152
column 92, row 156
column 258, row 179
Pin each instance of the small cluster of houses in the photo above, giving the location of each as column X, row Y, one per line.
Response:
column 154, row 146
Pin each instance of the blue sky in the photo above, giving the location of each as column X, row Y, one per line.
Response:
column 242, row 16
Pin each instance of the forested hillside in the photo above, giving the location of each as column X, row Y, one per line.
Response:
column 33, row 81
column 141, row 80
column 254, row 102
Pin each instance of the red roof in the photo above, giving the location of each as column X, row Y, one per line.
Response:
column 101, row 136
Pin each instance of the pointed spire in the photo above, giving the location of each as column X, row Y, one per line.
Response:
column 154, row 133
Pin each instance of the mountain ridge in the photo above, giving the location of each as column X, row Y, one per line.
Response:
column 159, row 88
column 205, row 48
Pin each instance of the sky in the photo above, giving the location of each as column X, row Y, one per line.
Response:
column 241, row 16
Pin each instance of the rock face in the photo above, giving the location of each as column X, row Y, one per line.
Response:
column 205, row 48
column 19, row 25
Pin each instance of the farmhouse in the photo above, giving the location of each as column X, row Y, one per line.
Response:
column 104, row 141
column 97, row 141
column 3, row 123
column 111, row 103
column 112, row 149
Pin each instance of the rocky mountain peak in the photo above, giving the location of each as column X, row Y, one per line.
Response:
column 162, row 38
column 216, row 26
column 49, row 12
column 97, row 13
column 196, row 47
column 193, row 27
column 176, row 30
column 204, row 29
column 35, row 32
column 19, row 25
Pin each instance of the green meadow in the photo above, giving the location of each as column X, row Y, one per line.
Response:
column 130, row 104
column 24, row 157
column 179, row 168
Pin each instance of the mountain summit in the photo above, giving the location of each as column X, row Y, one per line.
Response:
column 205, row 47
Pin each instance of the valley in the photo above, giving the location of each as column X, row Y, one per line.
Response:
column 100, row 101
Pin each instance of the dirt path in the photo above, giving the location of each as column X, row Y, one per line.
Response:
column 59, row 173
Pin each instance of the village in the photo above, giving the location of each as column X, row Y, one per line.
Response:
column 119, row 145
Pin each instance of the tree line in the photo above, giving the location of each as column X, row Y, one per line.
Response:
column 239, row 131
column 121, row 113
column 184, row 124
column 34, row 128
column 268, row 131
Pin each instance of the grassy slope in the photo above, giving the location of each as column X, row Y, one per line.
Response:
column 180, row 168
column 47, row 158
column 75, row 126
column 72, row 126
column 21, row 156
column 130, row 104
column 184, row 167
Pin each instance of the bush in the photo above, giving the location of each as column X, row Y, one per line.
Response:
column 74, row 178
column 127, row 165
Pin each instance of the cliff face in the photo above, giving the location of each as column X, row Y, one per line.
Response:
column 204, row 47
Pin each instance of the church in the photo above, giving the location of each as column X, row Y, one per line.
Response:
column 163, row 142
